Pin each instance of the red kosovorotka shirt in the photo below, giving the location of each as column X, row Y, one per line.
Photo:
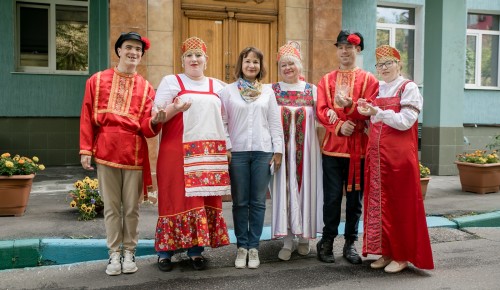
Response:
column 116, row 118
column 362, row 84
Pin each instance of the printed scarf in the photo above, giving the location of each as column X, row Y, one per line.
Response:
column 249, row 91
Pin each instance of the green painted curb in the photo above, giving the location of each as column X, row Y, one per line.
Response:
column 6, row 254
column 491, row 219
column 19, row 253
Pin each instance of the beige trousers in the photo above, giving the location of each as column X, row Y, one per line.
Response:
column 120, row 190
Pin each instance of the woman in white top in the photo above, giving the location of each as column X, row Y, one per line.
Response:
column 394, row 215
column 252, row 120
column 297, row 188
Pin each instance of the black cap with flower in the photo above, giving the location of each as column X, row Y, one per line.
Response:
column 132, row 36
column 354, row 38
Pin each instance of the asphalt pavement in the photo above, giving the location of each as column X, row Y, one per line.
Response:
column 49, row 226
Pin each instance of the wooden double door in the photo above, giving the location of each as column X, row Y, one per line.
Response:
column 226, row 31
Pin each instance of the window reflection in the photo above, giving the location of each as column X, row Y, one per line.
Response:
column 383, row 37
column 395, row 15
column 72, row 34
column 470, row 61
column 482, row 22
column 489, row 61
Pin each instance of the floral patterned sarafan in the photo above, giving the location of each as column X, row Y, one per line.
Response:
column 292, row 98
column 300, row 100
column 197, row 227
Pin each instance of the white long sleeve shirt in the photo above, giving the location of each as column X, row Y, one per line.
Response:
column 254, row 126
column 405, row 119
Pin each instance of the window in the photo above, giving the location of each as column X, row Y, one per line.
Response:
column 482, row 55
column 52, row 36
column 396, row 27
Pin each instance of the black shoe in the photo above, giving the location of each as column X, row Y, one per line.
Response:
column 198, row 263
column 350, row 252
column 165, row 265
column 324, row 249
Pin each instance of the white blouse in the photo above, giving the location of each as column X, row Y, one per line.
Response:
column 169, row 87
column 405, row 119
column 254, row 126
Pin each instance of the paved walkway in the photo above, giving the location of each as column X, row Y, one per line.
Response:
column 50, row 226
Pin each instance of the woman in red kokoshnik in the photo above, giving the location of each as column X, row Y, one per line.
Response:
column 297, row 188
column 394, row 214
column 192, row 162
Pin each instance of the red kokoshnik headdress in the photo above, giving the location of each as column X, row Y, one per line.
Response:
column 288, row 50
column 194, row 44
column 384, row 53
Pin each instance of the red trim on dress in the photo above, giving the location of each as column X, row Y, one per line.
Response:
column 185, row 222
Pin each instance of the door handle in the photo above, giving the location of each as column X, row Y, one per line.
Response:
column 227, row 72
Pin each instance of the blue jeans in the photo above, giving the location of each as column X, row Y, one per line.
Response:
column 250, row 176
column 335, row 175
column 191, row 252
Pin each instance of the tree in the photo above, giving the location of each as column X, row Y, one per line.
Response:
column 72, row 46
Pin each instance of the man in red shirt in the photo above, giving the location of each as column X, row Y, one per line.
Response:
column 115, row 119
column 344, row 144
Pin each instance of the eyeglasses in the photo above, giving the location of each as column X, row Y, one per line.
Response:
column 387, row 64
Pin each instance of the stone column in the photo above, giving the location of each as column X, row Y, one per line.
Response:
column 444, row 64
column 325, row 21
column 126, row 16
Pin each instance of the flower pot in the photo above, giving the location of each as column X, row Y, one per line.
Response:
column 14, row 194
column 479, row 178
column 424, row 181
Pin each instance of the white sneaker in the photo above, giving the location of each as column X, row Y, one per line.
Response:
column 285, row 254
column 241, row 259
column 253, row 259
column 128, row 265
column 303, row 249
column 114, row 265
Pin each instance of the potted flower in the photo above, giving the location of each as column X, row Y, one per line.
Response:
column 16, row 177
column 479, row 171
column 86, row 198
column 424, row 178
